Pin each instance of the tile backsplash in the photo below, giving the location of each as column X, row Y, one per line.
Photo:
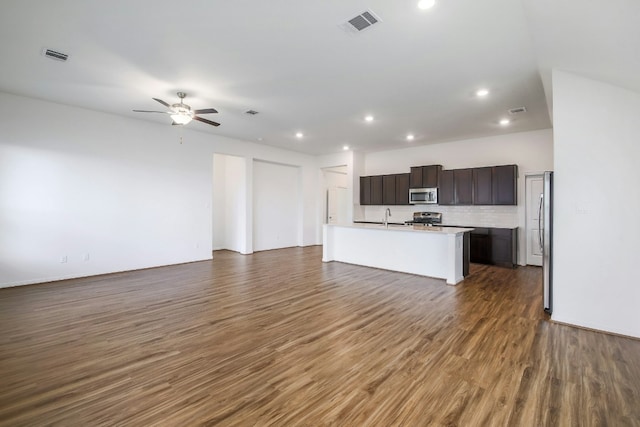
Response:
column 473, row 216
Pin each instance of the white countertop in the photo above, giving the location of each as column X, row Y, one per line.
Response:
column 407, row 228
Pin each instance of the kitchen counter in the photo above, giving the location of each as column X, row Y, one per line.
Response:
column 427, row 251
column 446, row 229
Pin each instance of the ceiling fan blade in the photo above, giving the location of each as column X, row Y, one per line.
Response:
column 149, row 111
column 161, row 102
column 209, row 122
column 205, row 111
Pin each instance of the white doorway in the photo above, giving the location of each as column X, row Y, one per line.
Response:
column 336, row 197
column 276, row 206
column 534, row 189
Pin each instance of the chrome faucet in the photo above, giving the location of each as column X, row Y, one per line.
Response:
column 387, row 214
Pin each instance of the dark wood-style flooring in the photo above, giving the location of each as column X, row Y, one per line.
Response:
column 278, row 338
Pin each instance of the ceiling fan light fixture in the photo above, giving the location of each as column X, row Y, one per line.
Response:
column 181, row 118
column 426, row 4
column 182, row 113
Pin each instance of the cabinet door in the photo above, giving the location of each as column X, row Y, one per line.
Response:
column 463, row 183
column 446, row 194
column 503, row 246
column 505, row 185
column 416, row 177
column 430, row 176
column 480, row 246
column 376, row 190
column 389, row 190
column 402, row 188
column 482, row 186
column 365, row 190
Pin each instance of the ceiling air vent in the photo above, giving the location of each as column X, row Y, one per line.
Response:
column 361, row 22
column 58, row 56
column 517, row 110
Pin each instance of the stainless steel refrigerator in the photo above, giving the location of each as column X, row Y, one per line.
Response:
column 545, row 236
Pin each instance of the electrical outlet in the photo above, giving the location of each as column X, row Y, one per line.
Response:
column 63, row 259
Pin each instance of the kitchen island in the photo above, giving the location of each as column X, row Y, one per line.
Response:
column 438, row 252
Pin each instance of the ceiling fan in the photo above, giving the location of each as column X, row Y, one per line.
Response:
column 182, row 113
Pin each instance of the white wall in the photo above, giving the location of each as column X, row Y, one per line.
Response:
column 596, row 227
column 276, row 200
column 531, row 151
column 125, row 191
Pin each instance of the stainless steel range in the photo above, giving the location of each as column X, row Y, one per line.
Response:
column 426, row 218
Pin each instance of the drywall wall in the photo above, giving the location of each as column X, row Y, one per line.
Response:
column 531, row 151
column 596, row 157
column 276, row 200
column 109, row 193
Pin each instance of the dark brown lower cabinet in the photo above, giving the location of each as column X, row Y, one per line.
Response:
column 466, row 248
column 494, row 246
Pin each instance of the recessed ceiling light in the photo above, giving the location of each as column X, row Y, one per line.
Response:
column 505, row 122
column 299, row 135
column 369, row 118
column 345, row 147
column 482, row 92
column 426, row 4
column 410, row 137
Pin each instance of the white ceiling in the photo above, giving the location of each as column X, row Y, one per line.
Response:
column 416, row 71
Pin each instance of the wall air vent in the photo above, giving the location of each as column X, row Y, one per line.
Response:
column 58, row 56
column 361, row 22
column 517, row 110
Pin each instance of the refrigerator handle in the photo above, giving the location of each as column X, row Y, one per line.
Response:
column 540, row 242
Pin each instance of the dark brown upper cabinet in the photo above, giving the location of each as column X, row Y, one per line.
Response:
column 505, row 185
column 365, row 190
column 446, row 190
column 402, row 188
column 384, row 189
column 483, row 186
column 493, row 185
column 425, row 176
column 376, row 190
column 415, row 180
column 389, row 190
column 463, row 184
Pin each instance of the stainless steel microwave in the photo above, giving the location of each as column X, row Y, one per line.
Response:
column 423, row 196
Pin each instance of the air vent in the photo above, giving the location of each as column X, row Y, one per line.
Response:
column 252, row 112
column 361, row 22
column 517, row 110
column 58, row 56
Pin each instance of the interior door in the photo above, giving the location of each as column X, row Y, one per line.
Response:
column 534, row 189
column 336, row 205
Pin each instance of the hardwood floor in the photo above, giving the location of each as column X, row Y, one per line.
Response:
column 279, row 338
